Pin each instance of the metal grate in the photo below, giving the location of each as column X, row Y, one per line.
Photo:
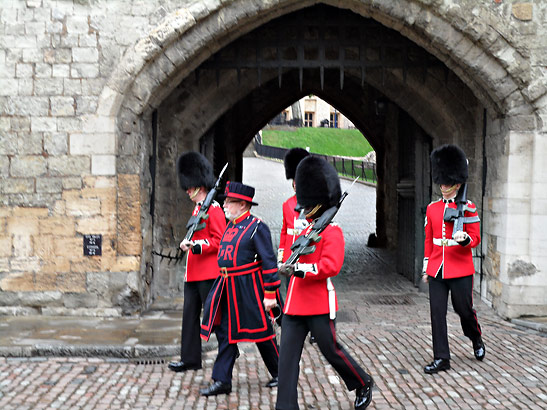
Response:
column 149, row 360
column 321, row 38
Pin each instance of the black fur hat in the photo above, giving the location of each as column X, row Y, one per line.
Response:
column 194, row 170
column 292, row 159
column 317, row 182
column 448, row 165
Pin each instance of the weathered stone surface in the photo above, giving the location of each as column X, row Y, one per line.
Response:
column 28, row 166
column 68, row 165
column 129, row 232
column 523, row 11
column 18, row 282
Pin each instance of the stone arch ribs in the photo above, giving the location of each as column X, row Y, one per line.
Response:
column 477, row 48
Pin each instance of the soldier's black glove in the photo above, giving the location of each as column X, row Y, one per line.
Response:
column 286, row 270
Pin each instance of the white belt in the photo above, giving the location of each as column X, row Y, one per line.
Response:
column 444, row 242
column 332, row 300
column 294, row 232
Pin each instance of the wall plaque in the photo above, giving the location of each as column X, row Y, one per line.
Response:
column 93, row 245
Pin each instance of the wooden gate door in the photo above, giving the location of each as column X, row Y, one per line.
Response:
column 413, row 194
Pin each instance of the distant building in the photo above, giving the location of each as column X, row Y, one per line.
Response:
column 312, row 111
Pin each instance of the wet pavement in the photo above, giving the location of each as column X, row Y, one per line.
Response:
column 120, row 363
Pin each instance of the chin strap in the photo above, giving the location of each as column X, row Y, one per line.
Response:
column 313, row 211
column 194, row 194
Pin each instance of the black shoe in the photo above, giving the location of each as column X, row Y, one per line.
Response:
column 273, row 382
column 437, row 365
column 479, row 349
column 216, row 388
column 363, row 396
column 182, row 367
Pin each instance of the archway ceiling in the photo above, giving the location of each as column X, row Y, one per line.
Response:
column 336, row 55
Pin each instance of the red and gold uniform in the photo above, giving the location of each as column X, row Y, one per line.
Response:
column 201, row 263
column 309, row 295
column 442, row 254
column 310, row 307
column 201, row 271
column 288, row 231
column 450, row 268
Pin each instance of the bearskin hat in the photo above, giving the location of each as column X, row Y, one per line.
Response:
column 194, row 170
column 292, row 159
column 448, row 165
column 317, row 182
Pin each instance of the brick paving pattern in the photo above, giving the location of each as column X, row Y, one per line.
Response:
column 391, row 341
column 383, row 322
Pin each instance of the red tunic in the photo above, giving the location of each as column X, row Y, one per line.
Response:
column 288, row 231
column 204, row 266
column 441, row 250
column 309, row 295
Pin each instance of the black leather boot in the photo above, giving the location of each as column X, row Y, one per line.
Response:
column 216, row 387
column 479, row 349
column 182, row 367
column 363, row 395
column 273, row 382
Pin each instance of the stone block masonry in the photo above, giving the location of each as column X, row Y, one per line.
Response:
column 41, row 250
column 80, row 78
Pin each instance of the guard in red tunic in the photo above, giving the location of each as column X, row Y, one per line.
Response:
column 238, row 305
column 448, row 260
column 196, row 178
column 311, row 302
column 292, row 225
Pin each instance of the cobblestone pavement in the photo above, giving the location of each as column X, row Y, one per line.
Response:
column 383, row 322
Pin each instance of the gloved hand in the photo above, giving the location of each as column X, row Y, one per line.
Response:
column 425, row 277
column 462, row 238
column 186, row 244
column 286, row 270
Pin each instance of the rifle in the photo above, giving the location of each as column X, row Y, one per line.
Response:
column 197, row 222
column 304, row 243
column 457, row 215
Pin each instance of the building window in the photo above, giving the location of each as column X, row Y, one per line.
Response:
column 333, row 120
column 308, row 119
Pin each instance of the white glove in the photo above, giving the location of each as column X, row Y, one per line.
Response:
column 186, row 244
column 460, row 236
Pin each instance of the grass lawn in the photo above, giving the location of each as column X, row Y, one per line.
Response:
column 326, row 141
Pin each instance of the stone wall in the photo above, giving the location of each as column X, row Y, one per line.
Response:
column 80, row 78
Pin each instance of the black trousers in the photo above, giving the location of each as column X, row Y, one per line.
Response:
column 195, row 294
column 293, row 336
column 461, row 293
column 227, row 352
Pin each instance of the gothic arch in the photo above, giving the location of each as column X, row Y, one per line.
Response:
column 477, row 47
column 493, row 67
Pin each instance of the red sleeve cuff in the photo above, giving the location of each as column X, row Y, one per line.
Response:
column 268, row 294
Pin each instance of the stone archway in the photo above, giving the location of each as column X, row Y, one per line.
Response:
column 493, row 68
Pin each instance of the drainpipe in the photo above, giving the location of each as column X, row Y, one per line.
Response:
column 483, row 189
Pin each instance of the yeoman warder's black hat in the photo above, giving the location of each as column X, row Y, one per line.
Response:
column 292, row 159
column 240, row 191
column 317, row 182
column 449, row 165
column 194, row 170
